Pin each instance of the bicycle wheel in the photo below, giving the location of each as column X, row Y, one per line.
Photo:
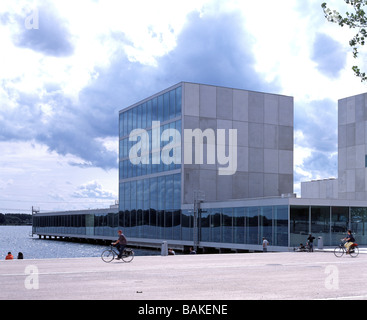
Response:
column 108, row 255
column 354, row 252
column 128, row 256
column 339, row 251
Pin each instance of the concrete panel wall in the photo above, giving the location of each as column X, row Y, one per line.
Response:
column 352, row 147
column 264, row 123
column 320, row 189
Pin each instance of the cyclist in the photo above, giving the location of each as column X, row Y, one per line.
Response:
column 120, row 244
column 349, row 240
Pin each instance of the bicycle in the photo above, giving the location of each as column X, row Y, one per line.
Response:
column 110, row 254
column 340, row 250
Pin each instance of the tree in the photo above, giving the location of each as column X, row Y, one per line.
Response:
column 355, row 20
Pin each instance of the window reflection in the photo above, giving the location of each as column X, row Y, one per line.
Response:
column 252, row 225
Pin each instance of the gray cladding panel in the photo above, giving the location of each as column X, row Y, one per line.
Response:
column 264, row 124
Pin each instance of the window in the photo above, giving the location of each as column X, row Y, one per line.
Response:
column 187, row 224
column 121, row 124
column 161, row 192
column 133, row 195
column 166, row 106
column 359, row 224
column 127, row 195
column 239, row 225
column 124, row 132
column 160, row 109
column 146, row 194
column 227, row 226
column 153, row 193
column 339, row 223
column 172, row 98
column 177, row 191
column 252, row 225
column 139, row 194
column 215, row 224
column 144, row 115
column 178, row 101
column 299, row 225
column 204, row 224
column 149, row 113
column 154, row 109
column 280, row 216
column 169, row 192
column 266, row 223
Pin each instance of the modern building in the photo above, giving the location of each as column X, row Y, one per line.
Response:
column 212, row 167
column 351, row 183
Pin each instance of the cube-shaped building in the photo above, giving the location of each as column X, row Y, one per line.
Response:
column 229, row 144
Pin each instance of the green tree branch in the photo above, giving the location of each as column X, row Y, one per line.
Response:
column 355, row 20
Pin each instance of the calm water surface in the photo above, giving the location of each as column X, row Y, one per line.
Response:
column 17, row 239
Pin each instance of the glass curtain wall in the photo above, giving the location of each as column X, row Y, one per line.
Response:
column 320, row 224
column 245, row 225
column 239, row 225
column 330, row 223
column 299, row 225
column 164, row 110
column 339, row 223
column 149, row 194
column 359, row 224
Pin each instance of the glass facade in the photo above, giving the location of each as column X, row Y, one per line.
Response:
column 245, row 225
column 359, row 224
column 148, row 184
column 330, row 223
column 150, row 120
column 232, row 225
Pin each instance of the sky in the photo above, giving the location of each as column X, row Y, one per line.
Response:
column 68, row 67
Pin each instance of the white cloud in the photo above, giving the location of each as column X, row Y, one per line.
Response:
column 31, row 175
column 94, row 190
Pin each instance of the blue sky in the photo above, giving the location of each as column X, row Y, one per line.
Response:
column 62, row 85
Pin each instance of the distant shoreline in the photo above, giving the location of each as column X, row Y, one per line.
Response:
column 15, row 225
column 15, row 219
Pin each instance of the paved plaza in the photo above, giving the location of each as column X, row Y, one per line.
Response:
column 251, row 276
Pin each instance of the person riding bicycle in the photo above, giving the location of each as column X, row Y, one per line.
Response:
column 120, row 243
column 349, row 240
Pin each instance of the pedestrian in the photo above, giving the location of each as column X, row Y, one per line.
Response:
column 310, row 240
column 265, row 245
column 20, row 255
column 192, row 251
column 9, row 256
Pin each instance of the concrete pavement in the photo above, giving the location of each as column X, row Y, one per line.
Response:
column 318, row 275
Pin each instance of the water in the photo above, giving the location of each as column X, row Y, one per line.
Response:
column 16, row 239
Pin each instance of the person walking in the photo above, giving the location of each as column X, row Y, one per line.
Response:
column 265, row 245
column 310, row 240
